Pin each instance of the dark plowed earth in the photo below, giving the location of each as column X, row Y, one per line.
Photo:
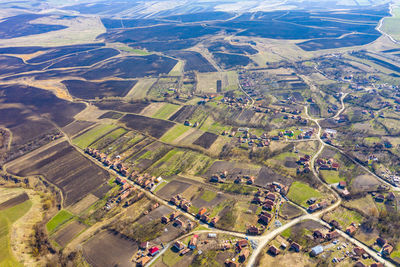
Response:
column 14, row 201
column 65, row 167
column 206, row 140
column 150, row 126
column 183, row 114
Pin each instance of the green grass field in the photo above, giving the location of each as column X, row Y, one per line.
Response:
column 174, row 133
column 208, row 196
column 300, row 192
column 85, row 139
column 391, row 25
column 7, row 217
column 166, row 111
column 331, row 177
column 60, row 218
column 344, row 217
column 114, row 135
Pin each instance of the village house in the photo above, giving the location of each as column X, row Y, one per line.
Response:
column 201, row 212
column 178, row 245
column 143, row 245
column 264, row 218
column 174, row 215
column 315, row 251
column 164, row 219
column 271, row 196
column 334, row 224
column 253, row 230
column 214, row 221
column 143, row 261
column 380, row 241
column 318, row 235
column 179, row 223
column 342, row 185
column 387, row 250
column 296, row 247
column 379, row 198
column 205, row 218
column 332, row 235
column 241, row 244
column 229, row 263
column 193, row 242
column 351, row 229
column 154, row 251
column 274, row 251
column 358, row 251
column 244, row 254
column 268, row 205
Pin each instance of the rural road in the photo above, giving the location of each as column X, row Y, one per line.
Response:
column 378, row 28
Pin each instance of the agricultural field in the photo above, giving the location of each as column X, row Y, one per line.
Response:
column 180, row 161
column 50, row 162
column 153, row 127
column 91, row 90
column 300, row 192
column 90, row 136
column 10, row 211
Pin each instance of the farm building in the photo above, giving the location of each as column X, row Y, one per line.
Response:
column 317, row 250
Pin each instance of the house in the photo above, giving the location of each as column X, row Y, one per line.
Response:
column 359, row 264
column 179, row 245
column 253, row 230
column 334, row 224
column 229, row 263
column 379, row 198
column 342, row 184
column 244, row 254
column 359, row 251
column 173, row 200
column 318, row 235
column 377, row 264
column 257, row 200
column 351, row 229
column 250, row 180
column 311, row 201
column 241, row 244
column 296, row 247
column 332, row 234
column 380, row 241
column 264, row 219
column 154, row 251
column 317, row 250
column 193, row 242
column 205, row 218
column 215, row 179
column 387, row 249
column 201, row 212
column 174, row 215
column 183, row 252
column 143, row 261
column 391, row 196
column 214, row 221
column 179, row 223
column 271, row 196
column 143, row 245
column 268, row 205
column 164, row 219
column 273, row 250
column 313, row 208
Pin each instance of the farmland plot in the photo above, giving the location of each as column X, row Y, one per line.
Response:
column 65, row 167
